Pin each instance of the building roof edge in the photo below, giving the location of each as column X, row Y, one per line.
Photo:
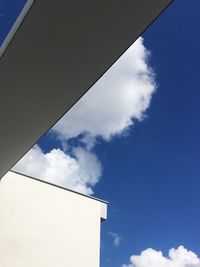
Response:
column 60, row 187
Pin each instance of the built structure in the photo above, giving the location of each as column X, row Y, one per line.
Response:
column 60, row 50
column 43, row 225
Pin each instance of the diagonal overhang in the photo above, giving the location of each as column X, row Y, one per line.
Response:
column 60, row 50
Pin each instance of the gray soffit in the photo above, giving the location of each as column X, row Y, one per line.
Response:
column 60, row 50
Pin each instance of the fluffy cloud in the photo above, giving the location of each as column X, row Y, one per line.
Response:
column 116, row 239
column 179, row 257
column 79, row 172
column 107, row 109
column 120, row 96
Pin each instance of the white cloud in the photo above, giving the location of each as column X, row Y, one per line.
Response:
column 116, row 239
column 180, row 257
column 121, row 95
column 79, row 172
column 107, row 109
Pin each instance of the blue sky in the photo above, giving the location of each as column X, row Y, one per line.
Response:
column 9, row 10
column 150, row 172
column 155, row 180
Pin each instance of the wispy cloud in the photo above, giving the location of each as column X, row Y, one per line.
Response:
column 116, row 239
column 180, row 257
column 109, row 108
column 79, row 171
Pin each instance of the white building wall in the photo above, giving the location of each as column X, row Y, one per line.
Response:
column 45, row 226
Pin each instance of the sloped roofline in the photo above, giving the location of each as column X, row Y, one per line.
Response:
column 55, row 62
column 60, row 187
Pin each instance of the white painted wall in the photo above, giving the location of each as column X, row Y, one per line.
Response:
column 45, row 226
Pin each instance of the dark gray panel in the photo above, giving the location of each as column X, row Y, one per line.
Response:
column 60, row 50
